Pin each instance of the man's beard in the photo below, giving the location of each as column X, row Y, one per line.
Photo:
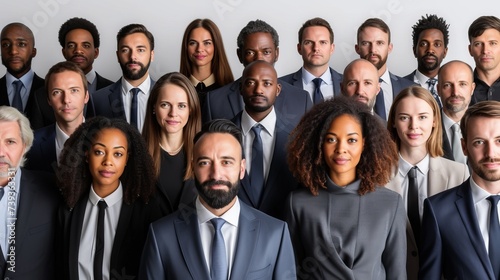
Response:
column 217, row 199
column 428, row 66
column 130, row 75
column 483, row 173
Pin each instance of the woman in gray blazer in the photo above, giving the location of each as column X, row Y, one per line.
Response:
column 343, row 224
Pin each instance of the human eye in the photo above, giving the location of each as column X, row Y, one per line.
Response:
column 75, row 90
column 352, row 140
column 493, row 43
column 438, row 44
column 70, row 45
column 192, row 43
column 124, row 50
column 330, row 139
column 423, row 44
column 403, row 118
column 118, row 154
column 164, row 105
column 249, row 53
column 365, row 43
column 463, row 84
column 5, row 45
column 207, row 43
column 368, row 83
column 56, row 92
column 423, row 117
column 267, row 52
column 22, row 44
column 182, row 106
column 98, row 152
column 141, row 50
column 268, row 84
column 478, row 142
column 87, row 46
column 203, row 163
column 11, row 142
column 380, row 43
column 227, row 162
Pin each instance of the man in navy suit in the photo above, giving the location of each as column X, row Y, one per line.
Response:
column 219, row 237
column 256, row 41
column 127, row 98
column 67, row 94
column 259, row 89
column 460, row 226
column 28, row 205
column 374, row 44
column 316, row 47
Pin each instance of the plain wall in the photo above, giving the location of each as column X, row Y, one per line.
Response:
column 168, row 19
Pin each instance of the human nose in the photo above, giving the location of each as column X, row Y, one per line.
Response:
column 340, row 147
column 106, row 161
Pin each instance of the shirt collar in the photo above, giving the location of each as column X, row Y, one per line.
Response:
column 447, row 122
column 61, row 137
column 17, row 181
column 422, row 79
column 208, row 81
column 478, row 194
column 404, row 166
column 231, row 216
column 27, row 79
column 386, row 77
column 269, row 122
column 308, row 77
column 144, row 87
column 91, row 75
column 110, row 200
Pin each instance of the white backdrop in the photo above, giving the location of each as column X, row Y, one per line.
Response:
column 167, row 20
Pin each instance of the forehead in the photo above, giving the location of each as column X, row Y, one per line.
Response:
column 263, row 39
column 217, row 144
column 483, row 127
column 10, row 129
column 81, row 34
column 361, row 70
column 260, row 69
column 431, row 34
column 15, row 32
column 373, row 33
column 201, row 32
column 112, row 136
column 488, row 34
column 316, row 30
column 135, row 39
column 65, row 76
column 345, row 123
column 456, row 70
column 412, row 103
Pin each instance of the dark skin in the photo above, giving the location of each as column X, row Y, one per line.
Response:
column 258, row 46
column 17, row 48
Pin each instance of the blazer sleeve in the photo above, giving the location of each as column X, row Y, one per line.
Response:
column 151, row 265
column 293, row 225
column 394, row 255
column 431, row 251
column 285, row 263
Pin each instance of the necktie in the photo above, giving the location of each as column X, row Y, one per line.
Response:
column 200, row 87
column 99, row 248
column 412, row 204
column 379, row 107
column 257, row 168
column 17, row 101
column 219, row 268
column 318, row 95
column 456, row 146
column 134, row 108
column 494, row 233
column 2, row 191
column 431, row 83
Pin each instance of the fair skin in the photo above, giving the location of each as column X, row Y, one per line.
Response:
column 135, row 51
column 201, row 52
column 342, row 149
column 79, row 48
column 374, row 46
column 430, row 51
column 455, row 87
column 172, row 114
column 414, row 124
column 17, row 49
column 316, row 49
column 360, row 81
column 67, row 97
column 218, row 156
column 482, row 147
column 107, row 158
column 12, row 149
column 485, row 49
column 258, row 46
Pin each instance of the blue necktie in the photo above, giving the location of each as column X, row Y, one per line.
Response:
column 17, row 101
column 318, row 96
column 219, row 268
column 134, row 108
column 257, row 169
column 99, row 247
column 379, row 107
column 431, row 83
column 494, row 234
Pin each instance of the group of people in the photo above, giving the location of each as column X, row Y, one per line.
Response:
column 196, row 175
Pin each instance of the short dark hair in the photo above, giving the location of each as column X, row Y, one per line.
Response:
column 256, row 26
column 221, row 126
column 317, row 21
column 78, row 23
column 430, row 22
column 481, row 24
column 376, row 23
column 487, row 109
column 135, row 28
column 65, row 66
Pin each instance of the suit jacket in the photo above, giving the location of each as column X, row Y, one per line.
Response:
column 296, row 80
column 400, row 83
column 39, row 113
column 443, row 174
column 101, row 82
column 130, row 236
column 42, row 155
column 173, row 249
column 35, row 229
column 226, row 102
column 280, row 181
column 452, row 244
column 411, row 76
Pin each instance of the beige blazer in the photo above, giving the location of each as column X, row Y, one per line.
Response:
column 443, row 174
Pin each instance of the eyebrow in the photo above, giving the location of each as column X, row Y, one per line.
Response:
column 102, row 145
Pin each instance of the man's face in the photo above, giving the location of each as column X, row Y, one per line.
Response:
column 486, row 50
column 12, row 149
column 18, row 49
column 258, row 46
column 259, row 87
column 134, row 55
column 79, row 48
column 67, row 97
column 430, row 50
column 218, row 168
column 373, row 45
column 360, row 81
column 315, row 47
column 455, row 87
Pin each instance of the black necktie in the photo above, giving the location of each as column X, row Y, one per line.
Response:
column 17, row 101
column 412, row 204
column 257, row 169
column 379, row 107
column 318, row 95
column 2, row 191
column 99, row 247
column 200, row 87
column 219, row 268
column 134, row 108
column 494, row 236
column 431, row 83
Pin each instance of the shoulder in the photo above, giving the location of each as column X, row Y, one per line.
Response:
column 447, row 166
column 447, row 197
column 403, row 81
column 335, row 75
column 44, row 131
column 292, row 76
column 39, row 182
column 105, row 91
column 251, row 213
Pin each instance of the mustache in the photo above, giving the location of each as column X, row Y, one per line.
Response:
column 4, row 160
column 430, row 55
column 213, row 182
column 489, row 160
column 134, row 62
column 78, row 56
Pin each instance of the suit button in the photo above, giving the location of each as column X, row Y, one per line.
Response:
column 414, row 253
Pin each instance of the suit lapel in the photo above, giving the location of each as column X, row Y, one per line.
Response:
column 4, row 98
column 25, row 201
column 75, row 233
column 297, row 79
column 436, row 179
column 234, row 98
column 248, row 229
column 120, row 233
column 116, row 101
column 48, row 145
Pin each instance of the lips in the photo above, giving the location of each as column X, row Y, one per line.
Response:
column 413, row 136
column 361, row 99
column 106, row 173
column 340, row 161
column 172, row 122
column 78, row 59
column 199, row 57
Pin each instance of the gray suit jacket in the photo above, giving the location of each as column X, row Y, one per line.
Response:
column 443, row 174
column 296, row 80
column 173, row 248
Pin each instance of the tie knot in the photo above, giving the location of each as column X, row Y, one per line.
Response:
column 380, row 80
column 431, row 82
column 413, row 172
column 317, row 82
column 455, row 127
column 494, row 200
column 257, row 129
column 18, row 84
column 218, row 223
column 200, row 86
column 135, row 91
column 102, row 204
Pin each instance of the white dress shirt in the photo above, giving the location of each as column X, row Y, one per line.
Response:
column 142, row 100
column 482, row 206
column 386, row 86
column 91, row 81
column 60, row 139
column 422, row 181
column 229, row 231
column 326, row 85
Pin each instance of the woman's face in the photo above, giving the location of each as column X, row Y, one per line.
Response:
column 172, row 109
column 200, row 47
column 342, row 148
column 107, row 158
column 414, row 121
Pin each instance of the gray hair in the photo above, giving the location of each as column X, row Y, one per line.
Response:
column 11, row 114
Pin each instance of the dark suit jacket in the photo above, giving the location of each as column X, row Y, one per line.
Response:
column 173, row 248
column 129, row 239
column 226, row 102
column 101, row 82
column 411, row 76
column 280, row 181
column 452, row 245
column 42, row 155
column 400, row 83
column 35, row 229
column 296, row 80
